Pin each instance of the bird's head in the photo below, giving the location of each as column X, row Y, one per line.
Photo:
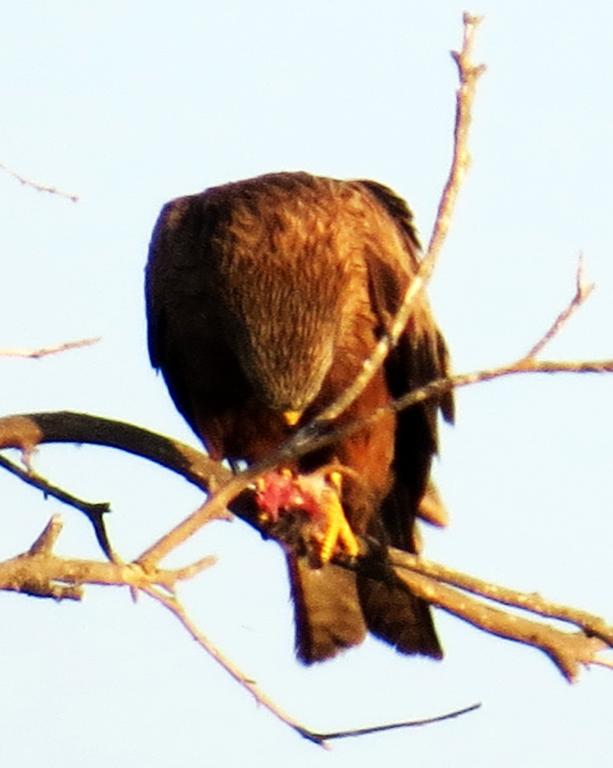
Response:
column 287, row 374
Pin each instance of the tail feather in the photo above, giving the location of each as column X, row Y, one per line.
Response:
column 335, row 608
column 327, row 610
column 393, row 614
column 399, row 618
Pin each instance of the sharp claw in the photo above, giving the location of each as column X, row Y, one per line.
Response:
column 338, row 532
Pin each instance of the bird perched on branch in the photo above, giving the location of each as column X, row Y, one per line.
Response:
column 264, row 299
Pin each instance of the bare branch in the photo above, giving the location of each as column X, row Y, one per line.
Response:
column 176, row 608
column 27, row 431
column 582, row 293
column 568, row 650
column 531, row 602
column 38, row 187
column 49, row 535
column 94, row 511
column 40, row 573
column 468, row 75
column 52, row 350
column 395, row 726
column 214, row 509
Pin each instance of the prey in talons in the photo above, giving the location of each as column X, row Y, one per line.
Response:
column 315, row 498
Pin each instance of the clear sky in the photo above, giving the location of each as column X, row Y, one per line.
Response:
column 130, row 104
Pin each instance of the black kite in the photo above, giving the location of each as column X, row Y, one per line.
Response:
column 264, row 297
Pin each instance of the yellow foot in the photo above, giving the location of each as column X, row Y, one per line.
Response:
column 337, row 533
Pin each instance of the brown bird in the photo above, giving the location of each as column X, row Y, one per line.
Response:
column 264, row 299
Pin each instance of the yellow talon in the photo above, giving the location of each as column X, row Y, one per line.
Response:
column 337, row 531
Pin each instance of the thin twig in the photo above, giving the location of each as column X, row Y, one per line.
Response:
column 307, row 442
column 176, row 608
column 468, row 75
column 94, row 511
column 38, row 187
column 395, row 726
column 606, row 663
column 214, row 509
column 583, row 290
column 52, row 350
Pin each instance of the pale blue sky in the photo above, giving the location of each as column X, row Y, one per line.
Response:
column 130, row 104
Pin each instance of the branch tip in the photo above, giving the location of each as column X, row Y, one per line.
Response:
column 46, row 540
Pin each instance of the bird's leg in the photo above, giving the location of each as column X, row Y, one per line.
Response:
column 337, row 532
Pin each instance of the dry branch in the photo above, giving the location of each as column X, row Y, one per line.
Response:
column 41, row 573
column 38, row 187
column 426, row 579
column 583, row 291
column 468, row 74
column 568, row 650
column 46, row 351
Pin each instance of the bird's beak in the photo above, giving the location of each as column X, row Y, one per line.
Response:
column 291, row 418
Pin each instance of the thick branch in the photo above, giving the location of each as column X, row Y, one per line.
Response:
column 41, row 573
column 25, row 432
column 29, row 430
column 568, row 650
column 531, row 602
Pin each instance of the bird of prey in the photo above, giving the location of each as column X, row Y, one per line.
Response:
column 264, row 299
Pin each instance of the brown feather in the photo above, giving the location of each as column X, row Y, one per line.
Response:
column 266, row 296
